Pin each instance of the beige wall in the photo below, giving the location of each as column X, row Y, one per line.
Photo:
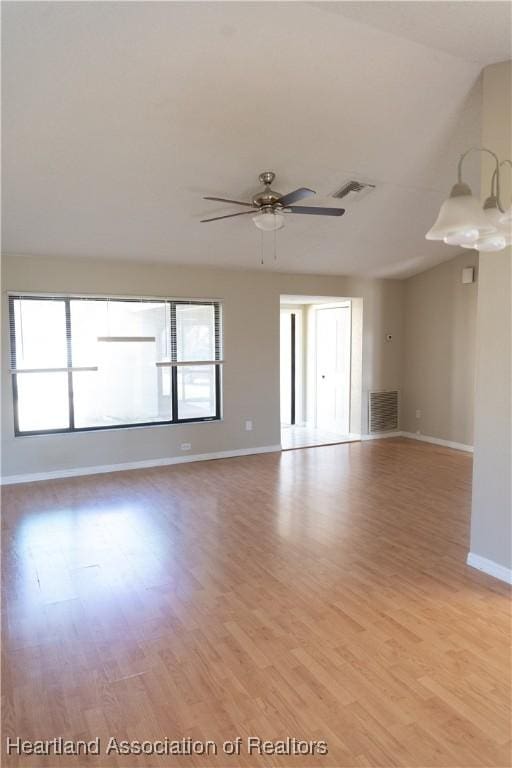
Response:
column 439, row 346
column 491, row 534
column 251, row 341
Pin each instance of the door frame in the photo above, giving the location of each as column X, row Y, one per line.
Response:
column 297, row 362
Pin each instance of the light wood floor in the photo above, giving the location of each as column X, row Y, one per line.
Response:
column 320, row 594
column 302, row 436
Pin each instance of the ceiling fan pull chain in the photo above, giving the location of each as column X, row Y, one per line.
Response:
column 275, row 247
column 261, row 237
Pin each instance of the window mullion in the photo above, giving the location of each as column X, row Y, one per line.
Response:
column 217, row 390
column 216, row 331
column 69, row 351
column 174, row 359
column 218, row 356
column 12, row 332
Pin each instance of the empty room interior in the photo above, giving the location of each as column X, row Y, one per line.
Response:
column 256, row 384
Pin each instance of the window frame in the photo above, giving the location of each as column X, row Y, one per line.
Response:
column 217, row 363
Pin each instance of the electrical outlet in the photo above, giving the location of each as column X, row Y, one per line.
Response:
column 248, row 425
column 186, row 446
column 418, row 414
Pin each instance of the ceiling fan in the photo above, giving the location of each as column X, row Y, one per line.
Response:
column 267, row 206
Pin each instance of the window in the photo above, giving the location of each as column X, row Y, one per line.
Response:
column 83, row 363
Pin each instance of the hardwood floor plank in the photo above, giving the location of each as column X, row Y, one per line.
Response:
column 316, row 594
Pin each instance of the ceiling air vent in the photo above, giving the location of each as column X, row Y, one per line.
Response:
column 353, row 190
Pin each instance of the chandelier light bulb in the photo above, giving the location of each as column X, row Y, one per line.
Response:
column 492, row 213
column 463, row 237
column 501, row 221
column 489, row 243
column 506, row 218
column 460, row 217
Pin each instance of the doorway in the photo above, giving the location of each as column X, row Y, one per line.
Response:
column 315, row 373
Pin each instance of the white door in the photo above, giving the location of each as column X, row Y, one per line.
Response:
column 333, row 369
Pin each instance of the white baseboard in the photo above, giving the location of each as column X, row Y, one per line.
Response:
column 490, row 567
column 438, row 441
column 422, row 438
column 146, row 463
column 381, row 436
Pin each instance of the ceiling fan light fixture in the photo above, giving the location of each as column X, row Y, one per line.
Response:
column 269, row 221
column 268, row 206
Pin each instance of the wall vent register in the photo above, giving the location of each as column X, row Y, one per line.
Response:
column 81, row 363
column 383, row 411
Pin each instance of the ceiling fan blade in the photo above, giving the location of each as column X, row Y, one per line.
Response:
column 224, row 200
column 228, row 216
column 316, row 211
column 297, row 194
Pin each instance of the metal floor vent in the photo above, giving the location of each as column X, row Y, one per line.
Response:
column 353, row 190
column 383, row 411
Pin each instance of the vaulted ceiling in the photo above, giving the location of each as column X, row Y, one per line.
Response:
column 119, row 117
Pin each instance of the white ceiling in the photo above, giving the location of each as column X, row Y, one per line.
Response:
column 119, row 117
column 473, row 31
